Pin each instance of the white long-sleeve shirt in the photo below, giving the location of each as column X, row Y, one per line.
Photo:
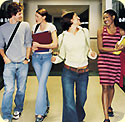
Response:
column 74, row 48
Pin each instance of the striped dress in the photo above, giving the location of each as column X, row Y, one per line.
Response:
column 109, row 65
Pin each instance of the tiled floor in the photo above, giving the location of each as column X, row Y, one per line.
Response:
column 93, row 105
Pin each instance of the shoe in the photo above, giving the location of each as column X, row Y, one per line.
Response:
column 39, row 119
column 6, row 120
column 110, row 112
column 16, row 115
column 106, row 120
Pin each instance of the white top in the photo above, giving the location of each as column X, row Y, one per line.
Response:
column 50, row 27
column 74, row 48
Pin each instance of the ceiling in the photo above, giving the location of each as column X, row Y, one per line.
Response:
column 56, row 10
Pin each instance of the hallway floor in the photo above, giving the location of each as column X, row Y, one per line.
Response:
column 93, row 106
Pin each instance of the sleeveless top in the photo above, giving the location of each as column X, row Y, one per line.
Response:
column 109, row 65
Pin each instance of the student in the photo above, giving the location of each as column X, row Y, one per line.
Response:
column 16, row 60
column 41, row 61
column 109, row 65
column 74, row 44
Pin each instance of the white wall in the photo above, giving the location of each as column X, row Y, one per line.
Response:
column 94, row 11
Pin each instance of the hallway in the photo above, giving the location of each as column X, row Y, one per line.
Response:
column 93, row 106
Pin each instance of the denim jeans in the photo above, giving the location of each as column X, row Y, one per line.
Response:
column 42, row 66
column 14, row 71
column 73, row 109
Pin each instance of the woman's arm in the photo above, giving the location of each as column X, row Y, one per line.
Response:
column 100, row 44
column 49, row 46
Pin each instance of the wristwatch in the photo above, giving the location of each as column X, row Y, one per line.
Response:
column 27, row 59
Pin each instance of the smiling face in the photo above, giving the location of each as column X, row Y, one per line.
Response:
column 75, row 20
column 108, row 19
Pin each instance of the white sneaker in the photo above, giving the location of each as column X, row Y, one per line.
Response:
column 6, row 120
column 16, row 115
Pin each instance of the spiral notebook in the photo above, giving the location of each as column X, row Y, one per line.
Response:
column 42, row 38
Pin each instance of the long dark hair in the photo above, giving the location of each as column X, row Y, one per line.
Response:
column 113, row 13
column 66, row 21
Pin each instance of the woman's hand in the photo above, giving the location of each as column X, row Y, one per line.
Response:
column 93, row 54
column 118, row 47
column 35, row 46
column 53, row 59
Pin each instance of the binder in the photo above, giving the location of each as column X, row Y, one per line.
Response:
column 121, row 42
column 42, row 38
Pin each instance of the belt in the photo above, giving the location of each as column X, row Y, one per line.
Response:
column 78, row 70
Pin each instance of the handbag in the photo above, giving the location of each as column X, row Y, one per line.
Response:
column 1, row 58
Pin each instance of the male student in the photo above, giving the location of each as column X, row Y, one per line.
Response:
column 16, row 60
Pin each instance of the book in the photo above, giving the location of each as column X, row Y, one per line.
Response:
column 121, row 42
column 42, row 38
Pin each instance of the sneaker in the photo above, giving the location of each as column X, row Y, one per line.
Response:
column 16, row 115
column 39, row 119
column 6, row 120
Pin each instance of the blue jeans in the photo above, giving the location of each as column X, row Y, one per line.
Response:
column 42, row 66
column 14, row 71
column 73, row 110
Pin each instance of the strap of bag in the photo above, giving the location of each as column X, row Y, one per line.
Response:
column 60, row 47
column 13, row 34
column 62, row 42
column 85, row 38
column 36, row 28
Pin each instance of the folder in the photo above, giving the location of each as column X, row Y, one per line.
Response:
column 42, row 38
column 121, row 42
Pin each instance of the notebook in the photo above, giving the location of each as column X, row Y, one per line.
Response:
column 121, row 42
column 42, row 38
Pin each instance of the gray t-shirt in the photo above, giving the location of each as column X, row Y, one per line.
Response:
column 22, row 39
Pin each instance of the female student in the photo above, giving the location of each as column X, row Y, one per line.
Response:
column 74, row 45
column 109, row 65
column 41, row 61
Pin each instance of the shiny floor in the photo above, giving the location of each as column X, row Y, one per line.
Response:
column 93, row 104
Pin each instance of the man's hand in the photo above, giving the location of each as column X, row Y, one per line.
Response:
column 6, row 60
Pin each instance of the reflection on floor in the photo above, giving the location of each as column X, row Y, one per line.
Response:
column 93, row 105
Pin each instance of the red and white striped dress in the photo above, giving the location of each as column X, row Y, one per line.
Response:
column 109, row 65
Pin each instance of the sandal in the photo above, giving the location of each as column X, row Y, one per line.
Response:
column 106, row 120
column 110, row 112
